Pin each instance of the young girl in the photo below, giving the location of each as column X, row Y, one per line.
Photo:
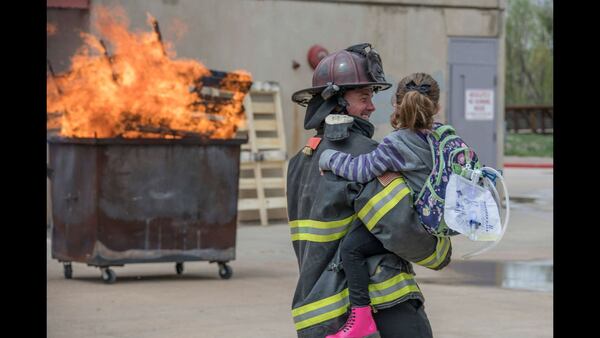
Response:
column 405, row 150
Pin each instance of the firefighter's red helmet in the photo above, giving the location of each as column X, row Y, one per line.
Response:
column 354, row 67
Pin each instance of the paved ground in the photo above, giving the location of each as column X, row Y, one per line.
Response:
column 150, row 300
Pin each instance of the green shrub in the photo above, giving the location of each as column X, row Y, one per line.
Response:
column 537, row 145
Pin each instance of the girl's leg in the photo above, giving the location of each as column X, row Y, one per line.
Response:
column 358, row 244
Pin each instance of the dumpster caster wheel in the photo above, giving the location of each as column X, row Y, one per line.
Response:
column 179, row 268
column 108, row 276
column 225, row 271
column 68, row 270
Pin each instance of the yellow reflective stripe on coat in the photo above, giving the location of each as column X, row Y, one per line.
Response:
column 334, row 306
column 382, row 202
column 318, row 238
column 321, row 224
column 320, row 231
column 436, row 258
column 393, row 288
column 321, row 311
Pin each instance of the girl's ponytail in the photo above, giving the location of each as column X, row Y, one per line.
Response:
column 416, row 102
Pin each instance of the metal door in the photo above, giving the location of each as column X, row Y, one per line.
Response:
column 472, row 107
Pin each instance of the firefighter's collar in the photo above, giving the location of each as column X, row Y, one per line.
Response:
column 338, row 126
column 363, row 126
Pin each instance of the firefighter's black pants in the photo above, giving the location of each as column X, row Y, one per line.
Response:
column 405, row 320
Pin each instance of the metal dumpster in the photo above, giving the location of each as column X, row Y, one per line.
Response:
column 151, row 175
column 119, row 201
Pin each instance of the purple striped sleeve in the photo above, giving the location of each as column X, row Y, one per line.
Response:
column 378, row 162
column 367, row 166
column 385, row 160
column 345, row 170
column 361, row 168
column 396, row 158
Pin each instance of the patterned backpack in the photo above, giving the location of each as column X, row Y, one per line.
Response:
column 450, row 155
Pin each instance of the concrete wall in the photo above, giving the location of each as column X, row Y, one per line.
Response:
column 266, row 36
column 69, row 22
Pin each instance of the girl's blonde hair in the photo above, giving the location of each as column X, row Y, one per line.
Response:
column 417, row 99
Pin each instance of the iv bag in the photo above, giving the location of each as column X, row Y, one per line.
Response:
column 470, row 209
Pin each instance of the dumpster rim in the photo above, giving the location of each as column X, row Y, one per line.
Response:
column 238, row 140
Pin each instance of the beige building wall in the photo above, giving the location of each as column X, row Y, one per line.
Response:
column 266, row 36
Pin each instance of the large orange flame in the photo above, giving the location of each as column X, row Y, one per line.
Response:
column 137, row 89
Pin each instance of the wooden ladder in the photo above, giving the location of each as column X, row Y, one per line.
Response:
column 263, row 167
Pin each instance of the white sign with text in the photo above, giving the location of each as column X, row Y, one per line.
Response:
column 479, row 104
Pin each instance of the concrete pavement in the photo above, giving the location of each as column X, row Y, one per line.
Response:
column 150, row 300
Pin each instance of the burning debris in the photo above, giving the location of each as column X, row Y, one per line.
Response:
column 136, row 89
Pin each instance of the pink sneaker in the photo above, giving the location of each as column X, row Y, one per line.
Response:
column 360, row 324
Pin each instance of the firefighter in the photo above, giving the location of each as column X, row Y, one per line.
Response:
column 322, row 209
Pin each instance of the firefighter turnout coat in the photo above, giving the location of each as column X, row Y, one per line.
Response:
column 322, row 209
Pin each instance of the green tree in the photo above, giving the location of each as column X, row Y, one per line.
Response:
column 529, row 52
